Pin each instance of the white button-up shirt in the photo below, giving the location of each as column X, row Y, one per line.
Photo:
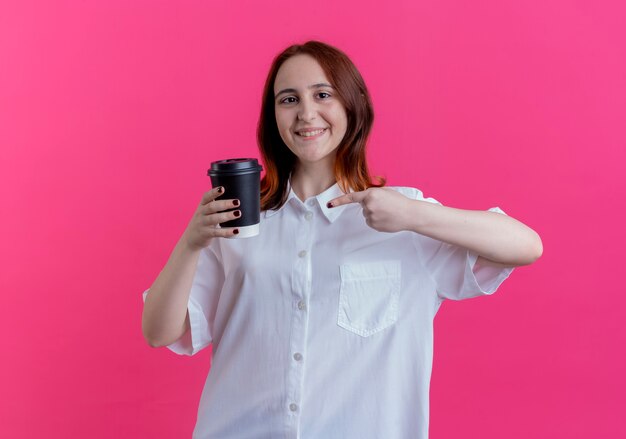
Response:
column 321, row 326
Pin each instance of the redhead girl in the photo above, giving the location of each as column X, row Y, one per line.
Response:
column 321, row 326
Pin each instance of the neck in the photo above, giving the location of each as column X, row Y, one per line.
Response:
column 309, row 181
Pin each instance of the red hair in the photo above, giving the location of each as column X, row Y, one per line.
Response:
column 351, row 170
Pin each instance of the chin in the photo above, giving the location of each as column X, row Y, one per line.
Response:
column 314, row 159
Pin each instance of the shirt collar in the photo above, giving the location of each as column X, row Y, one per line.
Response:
column 330, row 213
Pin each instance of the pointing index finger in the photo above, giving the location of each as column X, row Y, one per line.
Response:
column 353, row 197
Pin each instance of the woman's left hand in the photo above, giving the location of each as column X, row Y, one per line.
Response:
column 384, row 209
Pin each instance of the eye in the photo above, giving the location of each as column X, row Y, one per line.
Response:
column 323, row 95
column 288, row 100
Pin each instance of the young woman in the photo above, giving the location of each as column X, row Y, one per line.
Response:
column 322, row 325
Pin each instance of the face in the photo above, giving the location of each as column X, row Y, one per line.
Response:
column 311, row 119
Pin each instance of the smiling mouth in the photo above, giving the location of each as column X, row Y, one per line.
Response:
column 310, row 133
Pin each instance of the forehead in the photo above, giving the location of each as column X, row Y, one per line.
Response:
column 299, row 71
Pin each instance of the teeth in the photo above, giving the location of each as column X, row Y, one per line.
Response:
column 310, row 133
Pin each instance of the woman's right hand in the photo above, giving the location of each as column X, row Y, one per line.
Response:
column 204, row 224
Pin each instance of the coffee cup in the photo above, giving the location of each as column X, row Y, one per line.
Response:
column 241, row 180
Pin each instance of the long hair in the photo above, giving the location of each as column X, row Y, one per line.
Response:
column 351, row 170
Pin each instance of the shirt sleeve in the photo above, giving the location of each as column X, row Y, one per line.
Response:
column 453, row 268
column 205, row 290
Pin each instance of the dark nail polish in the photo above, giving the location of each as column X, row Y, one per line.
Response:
column 237, row 213
column 220, row 189
column 236, row 231
column 236, row 202
column 329, row 205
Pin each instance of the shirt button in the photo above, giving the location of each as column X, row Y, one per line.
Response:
column 301, row 305
column 311, row 202
column 297, row 356
column 308, row 216
column 302, row 253
column 293, row 407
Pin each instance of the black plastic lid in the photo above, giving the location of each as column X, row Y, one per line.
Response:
column 234, row 166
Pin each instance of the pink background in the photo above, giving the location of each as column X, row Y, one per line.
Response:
column 110, row 113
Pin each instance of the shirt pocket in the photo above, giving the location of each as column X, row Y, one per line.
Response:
column 369, row 296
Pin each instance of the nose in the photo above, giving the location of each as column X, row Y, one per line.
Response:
column 307, row 110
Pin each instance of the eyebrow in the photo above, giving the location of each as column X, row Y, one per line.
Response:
column 293, row 90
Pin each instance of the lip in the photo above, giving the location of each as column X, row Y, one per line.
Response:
column 311, row 137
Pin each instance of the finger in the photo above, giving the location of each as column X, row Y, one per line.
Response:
column 212, row 194
column 225, row 233
column 217, row 218
column 219, row 206
column 353, row 197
